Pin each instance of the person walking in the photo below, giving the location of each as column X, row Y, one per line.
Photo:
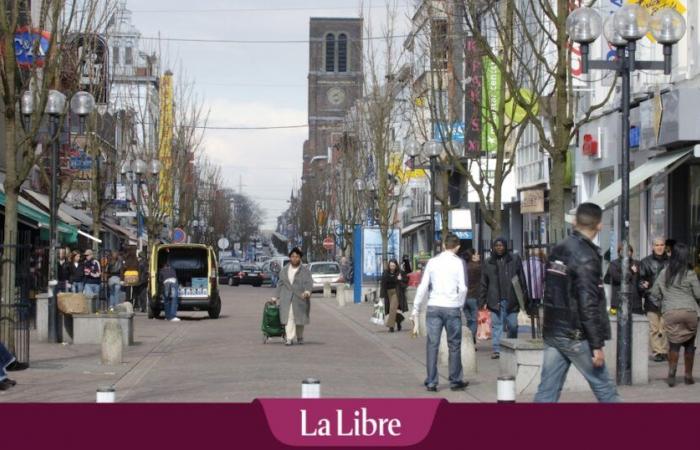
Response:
column 115, row 274
column 500, row 277
column 76, row 276
column 613, row 277
column 63, row 271
column 6, row 359
column 649, row 270
column 393, row 291
column 345, row 270
column 473, row 276
column 93, row 275
column 444, row 287
column 576, row 323
column 678, row 289
column 406, row 265
column 168, row 279
column 294, row 296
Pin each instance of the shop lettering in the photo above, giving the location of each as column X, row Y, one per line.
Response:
column 360, row 425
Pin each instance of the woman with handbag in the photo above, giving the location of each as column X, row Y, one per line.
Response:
column 393, row 291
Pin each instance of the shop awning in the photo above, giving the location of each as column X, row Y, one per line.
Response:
column 660, row 165
column 66, row 213
column 413, row 227
column 127, row 234
column 68, row 234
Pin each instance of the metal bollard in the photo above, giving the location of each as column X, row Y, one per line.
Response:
column 311, row 388
column 105, row 394
column 506, row 389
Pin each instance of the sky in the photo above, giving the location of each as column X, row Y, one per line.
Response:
column 248, row 85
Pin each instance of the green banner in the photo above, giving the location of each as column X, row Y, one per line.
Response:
column 491, row 95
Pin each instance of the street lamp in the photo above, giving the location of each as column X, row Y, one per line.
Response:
column 357, row 252
column 629, row 24
column 55, row 107
column 140, row 168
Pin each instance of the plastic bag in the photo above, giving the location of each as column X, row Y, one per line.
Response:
column 378, row 313
column 483, row 330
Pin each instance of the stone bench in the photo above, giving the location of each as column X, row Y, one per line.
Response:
column 88, row 328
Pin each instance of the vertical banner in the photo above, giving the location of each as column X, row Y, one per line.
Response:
column 473, row 72
column 491, row 97
column 165, row 142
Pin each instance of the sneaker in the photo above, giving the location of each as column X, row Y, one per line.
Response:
column 5, row 385
column 659, row 358
column 495, row 355
column 431, row 388
column 174, row 319
column 462, row 385
column 288, row 343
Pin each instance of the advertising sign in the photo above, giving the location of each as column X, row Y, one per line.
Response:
column 25, row 45
column 532, row 202
column 165, row 131
column 492, row 95
column 473, row 72
column 372, row 250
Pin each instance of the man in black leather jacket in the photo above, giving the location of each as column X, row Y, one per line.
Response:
column 649, row 270
column 576, row 323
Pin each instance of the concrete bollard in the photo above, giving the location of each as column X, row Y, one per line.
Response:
column 311, row 388
column 468, row 353
column 105, row 394
column 506, row 389
column 112, row 344
column 124, row 308
column 340, row 294
column 326, row 290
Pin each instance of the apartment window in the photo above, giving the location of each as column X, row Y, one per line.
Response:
column 439, row 44
column 115, row 56
column 330, row 52
column 128, row 56
column 343, row 53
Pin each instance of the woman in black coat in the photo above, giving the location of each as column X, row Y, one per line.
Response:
column 393, row 291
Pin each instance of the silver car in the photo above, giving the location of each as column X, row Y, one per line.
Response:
column 325, row 272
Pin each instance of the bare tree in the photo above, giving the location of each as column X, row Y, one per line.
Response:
column 39, row 71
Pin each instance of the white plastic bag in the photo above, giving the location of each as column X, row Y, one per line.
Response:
column 378, row 313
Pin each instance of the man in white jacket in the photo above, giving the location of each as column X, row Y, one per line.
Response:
column 444, row 284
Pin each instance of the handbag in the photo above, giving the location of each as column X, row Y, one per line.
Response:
column 131, row 277
column 483, row 330
column 378, row 313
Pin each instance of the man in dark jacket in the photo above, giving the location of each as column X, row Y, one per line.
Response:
column 500, row 277
column 649, row 270
column 613, row 277
column 576, row 323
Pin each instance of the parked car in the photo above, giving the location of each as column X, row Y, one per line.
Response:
column 227, row 270
column 196, row 269
column 267, row 267
column 325, row 272
column 249, row 274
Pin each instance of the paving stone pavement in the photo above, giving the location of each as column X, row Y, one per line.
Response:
column 224, row 360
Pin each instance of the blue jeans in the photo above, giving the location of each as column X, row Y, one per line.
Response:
column 559, row 354
column 170, row 291
column 451, row 319
column 6, row 359
column 471, row 311
column 275, row 279
column 91, row 289
column 500, row 320
column 115, row 290
column 77, row 287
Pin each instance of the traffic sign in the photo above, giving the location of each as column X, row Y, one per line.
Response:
column 328, row 243
column 223, row 243
column 179, row 236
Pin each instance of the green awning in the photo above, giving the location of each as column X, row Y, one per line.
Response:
column 67, row 234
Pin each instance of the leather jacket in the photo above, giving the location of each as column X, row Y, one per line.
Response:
column 497, row 275
column 649, row 270
column 574, row 298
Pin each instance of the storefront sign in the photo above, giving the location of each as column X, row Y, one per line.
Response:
column 492, row 95
column 25, row 45
column 532, row 202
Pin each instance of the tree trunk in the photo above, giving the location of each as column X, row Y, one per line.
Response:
column 557, row 225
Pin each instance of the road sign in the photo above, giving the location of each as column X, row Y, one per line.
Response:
column 328, row 243
column 125, row 214
column 179, row 236
column 223, row 243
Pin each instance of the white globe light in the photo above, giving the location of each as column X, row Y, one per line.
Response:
column 82, row 103
column 611, row 34
column 433, row 149
column 413, row 148
column 359, row 185
column 667, row 26
column 584, row 25
column 632, row 22
column 55, row 103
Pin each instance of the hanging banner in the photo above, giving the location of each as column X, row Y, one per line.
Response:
column 473, row 71
column 491, row 95
column 165, row 151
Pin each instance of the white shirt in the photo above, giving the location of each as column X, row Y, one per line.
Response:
column 292, row 272
column 444, row 278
